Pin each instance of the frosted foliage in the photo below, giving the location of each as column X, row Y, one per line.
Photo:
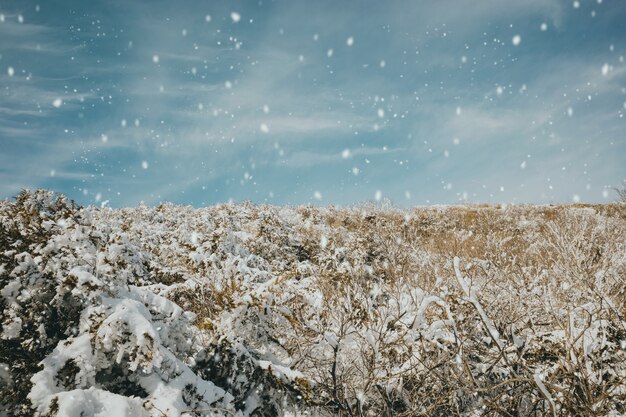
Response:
column 248, row 310
column 106, row 343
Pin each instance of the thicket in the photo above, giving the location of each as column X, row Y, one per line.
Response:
column 263, row 310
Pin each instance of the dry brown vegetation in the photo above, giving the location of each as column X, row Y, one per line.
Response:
column 365, row 311
column 366, row 304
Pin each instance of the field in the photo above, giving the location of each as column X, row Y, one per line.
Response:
column 255, row 310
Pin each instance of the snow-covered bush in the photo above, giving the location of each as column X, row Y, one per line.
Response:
column 75, row 327
column 262, row 311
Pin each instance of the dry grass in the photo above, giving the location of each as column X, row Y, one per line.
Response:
column 367, row 311
column 547, row 275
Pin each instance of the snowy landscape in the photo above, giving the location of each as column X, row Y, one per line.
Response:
column 259, row 310
column 313, row 208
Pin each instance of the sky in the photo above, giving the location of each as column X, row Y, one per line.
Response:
column 324, row 102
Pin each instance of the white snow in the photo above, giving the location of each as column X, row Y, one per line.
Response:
column 539, row 381
column 470, row 293
column 606, row 68
column 268, row 299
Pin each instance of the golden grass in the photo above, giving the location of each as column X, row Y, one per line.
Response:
column 533, row 268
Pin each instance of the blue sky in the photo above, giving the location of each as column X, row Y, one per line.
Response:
column 324, row 102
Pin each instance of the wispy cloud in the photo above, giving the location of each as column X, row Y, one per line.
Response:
column 172, row 105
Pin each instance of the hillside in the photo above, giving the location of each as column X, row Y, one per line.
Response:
column 250, row 310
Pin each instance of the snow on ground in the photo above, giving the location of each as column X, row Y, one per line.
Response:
column 260, row 311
